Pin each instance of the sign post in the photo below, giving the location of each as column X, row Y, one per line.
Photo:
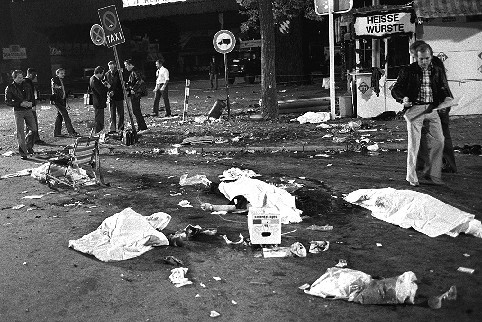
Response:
column 114, row 36
column 323, row 7
column 224, row 42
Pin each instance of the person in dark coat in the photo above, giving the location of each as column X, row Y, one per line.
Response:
column 133, row 84
column 17, row 96
column 32, row 92
column 449, row 164
column 59, row 99
column 99, row 97
column 115, row 98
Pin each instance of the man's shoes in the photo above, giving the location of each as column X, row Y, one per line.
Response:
column 30, row 151
column 24, row 157
column 414, row 183
column 59, row 135
column 40, row 142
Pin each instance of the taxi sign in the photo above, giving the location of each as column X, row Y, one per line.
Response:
column 224, row 41
column 112, row 27
column 97, row 35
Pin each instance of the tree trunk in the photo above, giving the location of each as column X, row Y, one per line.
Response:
column 269, row 100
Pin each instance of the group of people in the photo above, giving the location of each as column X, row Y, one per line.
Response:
column 107, row 90
column 421, row 87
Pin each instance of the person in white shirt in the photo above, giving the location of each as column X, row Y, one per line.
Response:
column 161, row 89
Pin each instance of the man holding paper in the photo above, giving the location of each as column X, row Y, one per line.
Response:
column 421, row 87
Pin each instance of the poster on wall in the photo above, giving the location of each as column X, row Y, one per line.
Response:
column 385, row 24
column 135, row 3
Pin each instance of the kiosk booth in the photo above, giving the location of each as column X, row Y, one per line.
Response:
column 383, row 35
column 383, row 38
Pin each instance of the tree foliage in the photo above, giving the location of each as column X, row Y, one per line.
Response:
column 282, row 10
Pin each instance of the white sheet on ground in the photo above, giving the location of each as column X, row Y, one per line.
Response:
column 261, row 194
column 407, row 208
column 314, row 117
column 124, row 235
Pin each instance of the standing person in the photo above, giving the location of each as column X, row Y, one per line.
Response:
column 213, row 73
column 420, row 87
column 449, row 164
column 133, row 84
column 99, row 97
column 161, row 89
column 59, row 99
column 115, row 98
column 17, row 96
column 30, row 87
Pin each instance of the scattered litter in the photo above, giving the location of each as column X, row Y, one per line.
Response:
column 33, row 197
column 173, row 261
column 288, row 232
column 197, row 295
column 466, row 270
column 435, row 302
column 177, row 277
column 318, row 246
column 172, row 151
column 21, row 173
column 313, row 117
column 356, row 286
column 217, row 278
column 214, row 314
column 8, row 154
column 122, row 236
column 220, row 208
column 276, row 252
column 329, row 164
column 198, row 140
column 185, row 204
column 194, row 180
column 467, row 255
column 342, row 263
column 236, row 173
column 379, row 245
column 298, row 249
column 175, row 194
column 234, row 302
column 202, row 285
column 229, row 242
column 372, row 147
column 320, row 228
column 324, row 126
column 304, row 286
column 408, row 208
column 323, row 155
column 126, row 278
column 18, row 207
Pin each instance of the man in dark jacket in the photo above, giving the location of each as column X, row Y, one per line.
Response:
column 133, row 83
column 17, row 96
column 449, row 164
column 59, row 99
column 421, row 87
column 32, row 92
column 115, row 98
column 99, row 97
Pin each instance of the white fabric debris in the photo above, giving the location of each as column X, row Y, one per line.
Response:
column 236, row 173
column 261, row 194
column 124, row 235
column 407, row 208
column 314, row 117
column 356, row 286
column 194, row 180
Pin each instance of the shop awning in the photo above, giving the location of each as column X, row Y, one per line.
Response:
column 447, row 8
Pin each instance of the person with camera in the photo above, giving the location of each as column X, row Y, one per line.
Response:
column 134, row 91
column 17, row 96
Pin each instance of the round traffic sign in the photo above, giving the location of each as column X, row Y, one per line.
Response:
column 224, row 41
column 97, row 34
column 109, row 20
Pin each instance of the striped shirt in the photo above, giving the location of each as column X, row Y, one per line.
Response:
column 425, row 94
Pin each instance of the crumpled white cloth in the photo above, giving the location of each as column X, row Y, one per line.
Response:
column 356, row 286
column 314, row 117
column 408, row 208
column 261, row 194
column 124, row 235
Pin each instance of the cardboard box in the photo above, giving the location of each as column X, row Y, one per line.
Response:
column 264, row 226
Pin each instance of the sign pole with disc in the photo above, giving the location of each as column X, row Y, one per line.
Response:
column 224, row 42
column 114, row 36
